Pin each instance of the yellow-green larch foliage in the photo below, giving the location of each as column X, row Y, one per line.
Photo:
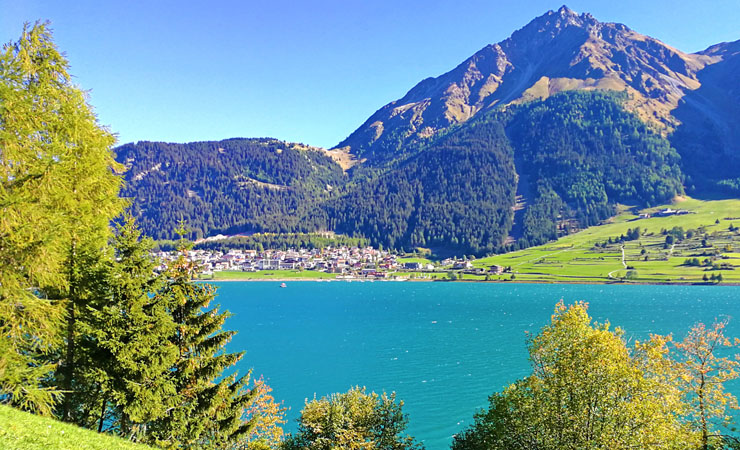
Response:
column 58, row 189
column 269, row 418
column 706, row 367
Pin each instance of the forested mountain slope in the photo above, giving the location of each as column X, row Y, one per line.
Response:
column 225, row 186
column 581, row 152
column 570, row 114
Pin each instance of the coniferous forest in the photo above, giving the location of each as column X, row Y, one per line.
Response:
column 573, row 156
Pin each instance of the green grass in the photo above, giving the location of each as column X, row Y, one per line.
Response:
column 24, row 431
column 575, row 259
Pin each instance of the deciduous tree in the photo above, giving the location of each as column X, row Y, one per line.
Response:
column 587, row 390
column 705, row 372
column 352, row 420
column 58, row 190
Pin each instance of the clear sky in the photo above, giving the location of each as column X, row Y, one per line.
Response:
column 302, row 71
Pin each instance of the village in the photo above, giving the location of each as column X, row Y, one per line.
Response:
column 345, row 262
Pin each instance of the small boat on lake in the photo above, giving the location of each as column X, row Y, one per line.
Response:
column 283, row 285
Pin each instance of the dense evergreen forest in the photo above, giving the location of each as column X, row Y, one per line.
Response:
column 580, row 152
column 228, row 186
column 583, row 153
column 457, row 193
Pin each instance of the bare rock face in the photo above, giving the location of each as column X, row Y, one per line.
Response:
column 558, row 51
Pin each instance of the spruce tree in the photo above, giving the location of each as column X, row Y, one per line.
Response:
column 131, row 333
column 210, row 406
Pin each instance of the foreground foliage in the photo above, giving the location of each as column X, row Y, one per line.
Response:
column 209, row 407
column 57, row 195
column 88, row 331
column 352, row 420
column 589, row 390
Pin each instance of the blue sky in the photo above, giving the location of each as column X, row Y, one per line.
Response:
column 308, row 72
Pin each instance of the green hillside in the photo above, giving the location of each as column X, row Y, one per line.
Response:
column 570, row 158
column 24, row 431
column 227, row 186
column 649, row 259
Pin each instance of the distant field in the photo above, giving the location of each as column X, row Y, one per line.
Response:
column 24, row 431
column 576, row 258
column 414, row 259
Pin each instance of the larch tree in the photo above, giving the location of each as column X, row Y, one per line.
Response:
column 58, row 191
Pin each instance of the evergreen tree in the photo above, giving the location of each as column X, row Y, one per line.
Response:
column 131, row 336
column 209, row 406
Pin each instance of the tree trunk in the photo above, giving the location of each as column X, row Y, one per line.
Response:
column 69, row 362
column 69, row 358
column 703, row 414
column 102, row 413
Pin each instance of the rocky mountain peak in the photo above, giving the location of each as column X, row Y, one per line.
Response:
column 557, row 51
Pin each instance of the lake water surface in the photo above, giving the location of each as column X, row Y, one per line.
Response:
column 442, row 347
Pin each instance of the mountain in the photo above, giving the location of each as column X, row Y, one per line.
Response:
column 708, row 135
column 558, row 51
column 528, row 139
column 569, row 159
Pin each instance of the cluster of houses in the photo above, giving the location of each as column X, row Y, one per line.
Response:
column 343, row 261
column 340, row 260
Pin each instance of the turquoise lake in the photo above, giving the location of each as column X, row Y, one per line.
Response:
column 442, row 347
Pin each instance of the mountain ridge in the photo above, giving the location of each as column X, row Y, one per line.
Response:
column 560, row 50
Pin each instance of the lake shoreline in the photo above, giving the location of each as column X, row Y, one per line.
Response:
column 329, row 280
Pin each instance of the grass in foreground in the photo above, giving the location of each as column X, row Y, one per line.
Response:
column 25, row 431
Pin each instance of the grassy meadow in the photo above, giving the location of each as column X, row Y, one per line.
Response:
column 25, row 431
column 578, row 258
